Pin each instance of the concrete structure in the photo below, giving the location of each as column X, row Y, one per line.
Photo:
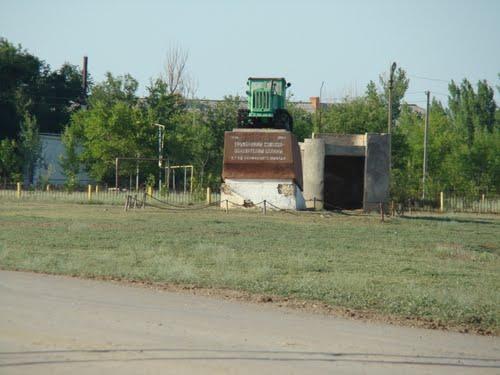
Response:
column 48, row 169
column 346, row 171
column 282, row 194
column 262, row 165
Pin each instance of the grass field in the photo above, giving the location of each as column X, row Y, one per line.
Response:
column 443, row 269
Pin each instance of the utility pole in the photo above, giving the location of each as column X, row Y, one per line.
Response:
column 161, row 130
column 319, row 104
column 426, row 131
column 389, row 109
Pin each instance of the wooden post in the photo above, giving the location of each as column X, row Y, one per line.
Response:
column 18, row 192
column 441, row 202
column 227, row 206
column 314, row 203
column 381, row 211
column 265, row 208
column 209, row 195
column 89, row 192
column 97, row 189
column 392, row 208
column 48, row 188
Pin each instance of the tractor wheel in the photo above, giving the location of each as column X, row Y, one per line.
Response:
column 283, row 120
column 243, row 118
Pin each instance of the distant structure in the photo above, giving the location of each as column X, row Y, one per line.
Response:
column 346, row 171
column 48, row 168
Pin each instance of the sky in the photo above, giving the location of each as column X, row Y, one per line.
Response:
column 344, row 44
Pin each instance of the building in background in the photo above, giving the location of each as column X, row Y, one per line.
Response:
column 48, row 169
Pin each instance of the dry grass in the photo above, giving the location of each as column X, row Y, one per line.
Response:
column 441, row 269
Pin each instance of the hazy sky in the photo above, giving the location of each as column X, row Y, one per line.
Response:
column 344, row 43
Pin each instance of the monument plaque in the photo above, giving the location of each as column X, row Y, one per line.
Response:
column 261, row 154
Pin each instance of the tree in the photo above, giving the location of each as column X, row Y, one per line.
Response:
column 176, row 75
column 48, row 95
column 9, row 160
column 303, row 121
column 486, row 106
column 19, row 75
column 31, row 147
column 70, row 161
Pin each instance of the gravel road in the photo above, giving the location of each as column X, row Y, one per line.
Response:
column 62, row 325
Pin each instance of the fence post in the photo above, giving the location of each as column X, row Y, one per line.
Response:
column 314, row 203
column 18, row 191
column 209, row 195
column 89, row 192
column 97, row 189
column 48, row 188
column 227, row 206
column 381, row 211
column 441, row 202
column 265, row 207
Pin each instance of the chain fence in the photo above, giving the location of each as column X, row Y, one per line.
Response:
column 445, row 202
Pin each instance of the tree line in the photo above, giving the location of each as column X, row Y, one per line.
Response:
column 114, row 121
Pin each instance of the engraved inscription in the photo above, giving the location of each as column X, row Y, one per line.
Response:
column 265, row 150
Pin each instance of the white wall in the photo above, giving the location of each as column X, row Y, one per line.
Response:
column 49, row 166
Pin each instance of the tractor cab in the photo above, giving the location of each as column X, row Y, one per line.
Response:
column 266, row 104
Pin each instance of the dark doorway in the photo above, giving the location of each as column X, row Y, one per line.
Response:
column 344, row 182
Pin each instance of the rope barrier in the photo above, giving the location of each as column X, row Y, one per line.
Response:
column 178, row 208
column 181, row 208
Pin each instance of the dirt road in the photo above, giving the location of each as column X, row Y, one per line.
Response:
column 61, row 325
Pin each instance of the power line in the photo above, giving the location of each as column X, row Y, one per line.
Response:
column 429, row 79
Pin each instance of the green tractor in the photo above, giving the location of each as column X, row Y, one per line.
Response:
column 266, row 105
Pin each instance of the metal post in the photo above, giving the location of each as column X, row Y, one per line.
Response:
column 191, row 181
column 185, row 179
column 116, row 174
column 426, row 130
column 161, row 129
column 137, row 175
column 167, row 179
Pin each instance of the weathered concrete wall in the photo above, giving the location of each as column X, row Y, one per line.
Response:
column 375, row 148
column 313, row 166
column 342, row 139
column 377, row 170
column 284, row 194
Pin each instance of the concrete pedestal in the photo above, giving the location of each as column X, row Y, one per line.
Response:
column 282, row 194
